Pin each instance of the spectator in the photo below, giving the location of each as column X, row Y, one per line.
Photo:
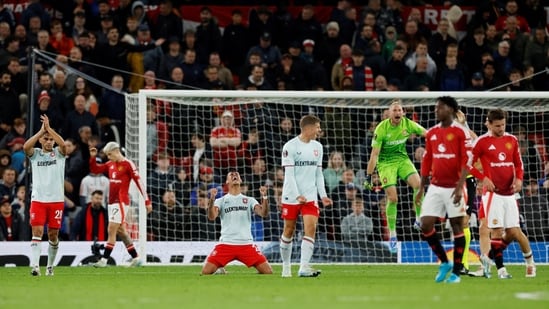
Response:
column 160, row 178
column 78, row 118
column 340, row 66
column 348, row 25
column 10, row 107
column 75, row 169
column 182, row 187
column 208, row 35
column 362, row 75
column 235, row 42
column 19, row 203
column 5, row 160
column 172, row 58
column 422, row 51
column 253, row 59
column 112, row 113
column 491, row 80
column 224, row 140
column 205, row 183
column 12, row 226
column 198, row 227
column 93, row 183
column 380, row 83
column 201, row 150
column 157, row 134
column 249, row 151
column 305, row 26
column 193, row 71
column 477, row 82
column 419, row 79
column 389, row 43
column 91, row 222
column 451, row 78
column 270, row 54
column 439, row 41
column 396, row 68
column 292, row 75
column 530, row 155
column 512, row 10
column 138, row 12
column 8, row 184
column 257, row 79
column 223, row 73
column 167, row 221
column 334, row 171
column 59, row 40
column 535, row 54
column 329, row 46
column 17, row 154
column 356, row 226
column 168, row 23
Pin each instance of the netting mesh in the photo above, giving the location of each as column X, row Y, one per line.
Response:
column 167, row 147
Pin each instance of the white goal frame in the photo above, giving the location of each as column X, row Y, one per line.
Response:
column 367, row 99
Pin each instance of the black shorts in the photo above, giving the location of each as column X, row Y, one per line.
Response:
column 471, row 184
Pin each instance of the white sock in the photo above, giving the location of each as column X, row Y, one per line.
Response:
column 286, row 250
column 52, row 252
column 307, row 248
column 529, row 258
column 392, row 234
column 36, row 248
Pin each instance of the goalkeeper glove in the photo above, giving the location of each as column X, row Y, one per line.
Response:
column 368, row 182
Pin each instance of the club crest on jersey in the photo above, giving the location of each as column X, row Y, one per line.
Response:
column 450, row 137
column 245, row 200
column 385, row 180
column 315, row 152
column 52, row 154
column 495, row 221
column 120, row 168
column 508, row 145
column 502, row 156
column 405, row 132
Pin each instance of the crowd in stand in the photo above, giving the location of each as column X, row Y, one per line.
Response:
column 371, row 47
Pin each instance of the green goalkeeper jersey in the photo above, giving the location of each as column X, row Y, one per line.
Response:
column 391, row 139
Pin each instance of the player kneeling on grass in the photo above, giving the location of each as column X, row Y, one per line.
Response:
column 236, row 242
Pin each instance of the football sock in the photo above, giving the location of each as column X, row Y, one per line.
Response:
column 497, row 252
column 286, row 249
column 36, row 247
column 307, row 248
column 432, row 239
column 131, row 250
column 52, row 252
column 391, row 212
column 417, row 207
column 459, row 245
column 467, row 234
column 108, row 250
column 528, row 257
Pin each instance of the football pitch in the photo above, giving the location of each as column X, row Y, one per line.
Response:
column 339, row 286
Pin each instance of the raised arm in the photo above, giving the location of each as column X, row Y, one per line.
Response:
column 28, row 147
column 56, row 137
column 263, row 208
column 213, row 210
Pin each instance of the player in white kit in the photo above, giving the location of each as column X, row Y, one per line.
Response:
column 303, row 183
column 48, row 195
column 236, row 242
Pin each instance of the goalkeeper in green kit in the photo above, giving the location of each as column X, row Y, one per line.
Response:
column 392, row 160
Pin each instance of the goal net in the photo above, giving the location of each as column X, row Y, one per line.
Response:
column 168, row 135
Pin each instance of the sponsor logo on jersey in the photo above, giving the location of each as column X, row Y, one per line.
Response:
column 502, row 156
column 46, row 163
column 492, row 147
column 433, row 138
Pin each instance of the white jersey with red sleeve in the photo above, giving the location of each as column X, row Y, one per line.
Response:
column 120, row 175
column 48, row 175
column 500, row 159
column 447, row 152
column 302, row 163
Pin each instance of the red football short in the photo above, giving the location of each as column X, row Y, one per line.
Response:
column 291, row 211
column 248, row 254
column 46, row 213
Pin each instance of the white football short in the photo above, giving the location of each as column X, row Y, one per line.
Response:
column 439, row 202
column 117, row 212
column 501, row 210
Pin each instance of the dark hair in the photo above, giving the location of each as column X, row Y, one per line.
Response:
column 97, row 192
column 449, row 101
column 496, row 114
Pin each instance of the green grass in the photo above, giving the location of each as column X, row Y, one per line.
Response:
column 341, row 286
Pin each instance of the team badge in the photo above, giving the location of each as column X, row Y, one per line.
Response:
column 285, row 153
column 450, row 137
column 385, row 180
column 508, row 145
column 52, row 154
column 315, row 152
column 405, row 133
column 245, row 200
column 495, row 221
column 120, row 168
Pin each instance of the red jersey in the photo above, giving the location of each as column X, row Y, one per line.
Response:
column 225, row 156
column 120, row 175
column 500, row 159
column 447, row 152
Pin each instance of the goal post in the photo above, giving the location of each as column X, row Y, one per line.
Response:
column 346, row 119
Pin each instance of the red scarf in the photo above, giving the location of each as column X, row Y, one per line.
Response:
column 100, row 226
column 368, row 76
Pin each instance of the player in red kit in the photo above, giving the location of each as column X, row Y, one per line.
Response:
column 121, row 172
column 502, row 175
column 446, row 160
